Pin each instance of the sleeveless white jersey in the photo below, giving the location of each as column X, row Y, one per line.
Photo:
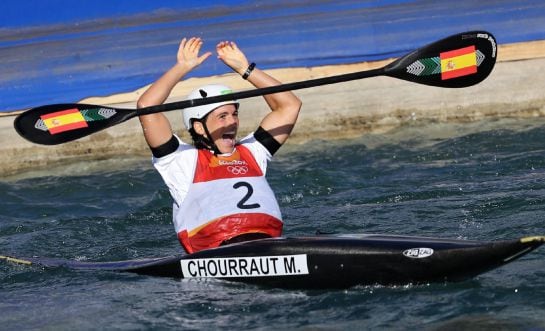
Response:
column 219, row 197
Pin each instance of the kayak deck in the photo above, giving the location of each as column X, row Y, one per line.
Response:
column 330, row 261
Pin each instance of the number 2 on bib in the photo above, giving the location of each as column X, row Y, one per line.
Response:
column 249, row 191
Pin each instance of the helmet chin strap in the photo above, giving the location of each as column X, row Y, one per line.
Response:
column 208, row 141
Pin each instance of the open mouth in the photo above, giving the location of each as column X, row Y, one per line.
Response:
column 229, row 138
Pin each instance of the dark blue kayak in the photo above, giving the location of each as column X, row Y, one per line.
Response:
column 325, row 261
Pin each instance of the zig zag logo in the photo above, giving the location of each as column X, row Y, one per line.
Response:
column 425, row 67
column 480, row 57
column 97, row 114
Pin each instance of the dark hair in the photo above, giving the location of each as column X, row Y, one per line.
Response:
column 200, row 141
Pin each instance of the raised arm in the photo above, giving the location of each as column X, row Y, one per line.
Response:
column 285, row 106
column 156, row 127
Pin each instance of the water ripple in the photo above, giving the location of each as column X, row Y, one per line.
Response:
column 476, row 184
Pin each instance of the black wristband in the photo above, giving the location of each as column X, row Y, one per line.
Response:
column 248, row 71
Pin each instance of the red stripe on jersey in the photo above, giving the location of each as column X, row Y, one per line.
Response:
column 216, row 232
column 240, row 164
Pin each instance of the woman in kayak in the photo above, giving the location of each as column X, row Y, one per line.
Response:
column 218, row 184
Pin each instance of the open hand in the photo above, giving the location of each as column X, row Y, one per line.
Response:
column 232, row 56
column 188, row 53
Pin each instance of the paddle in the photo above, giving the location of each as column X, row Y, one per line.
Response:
column 460, row 60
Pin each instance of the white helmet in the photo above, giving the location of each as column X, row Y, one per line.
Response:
column 199, row 112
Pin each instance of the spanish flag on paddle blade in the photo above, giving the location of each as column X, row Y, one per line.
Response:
column 64, row 120
column 458, row 62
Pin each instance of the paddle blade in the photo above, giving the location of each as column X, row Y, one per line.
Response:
column 60, row 123
column 461, row 60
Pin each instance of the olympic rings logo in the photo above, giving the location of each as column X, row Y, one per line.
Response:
column 237, row 170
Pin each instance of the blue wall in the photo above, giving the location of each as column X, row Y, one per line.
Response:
column 59, row 51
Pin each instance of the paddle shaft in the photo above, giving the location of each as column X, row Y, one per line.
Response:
column 262, row 91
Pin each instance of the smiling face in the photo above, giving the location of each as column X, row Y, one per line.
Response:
column 222, row 123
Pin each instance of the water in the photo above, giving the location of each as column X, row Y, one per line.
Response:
column 475, row 181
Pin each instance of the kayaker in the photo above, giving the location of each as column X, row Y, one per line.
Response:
column 218, row 183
